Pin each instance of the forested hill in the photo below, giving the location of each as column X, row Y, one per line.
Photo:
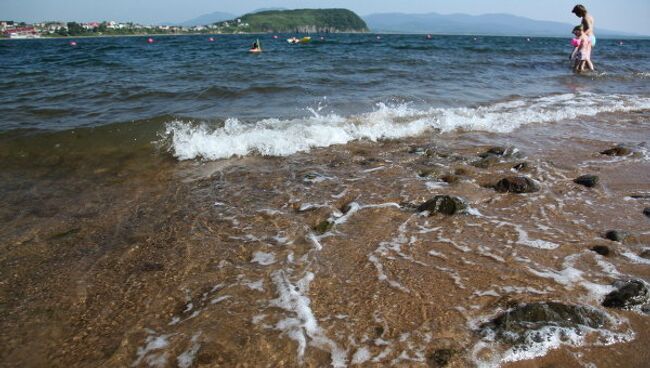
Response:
column 300, row 20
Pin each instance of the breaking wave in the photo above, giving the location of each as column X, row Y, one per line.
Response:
column 277, row 137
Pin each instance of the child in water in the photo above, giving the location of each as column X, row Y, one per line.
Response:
column 581, row 54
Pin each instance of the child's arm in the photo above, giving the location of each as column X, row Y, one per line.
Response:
column 574, row 53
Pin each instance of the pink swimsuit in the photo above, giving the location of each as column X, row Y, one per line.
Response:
column 585, row 52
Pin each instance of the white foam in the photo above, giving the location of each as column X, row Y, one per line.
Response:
column 636, row 259
column 186, row 359
column 151, row 354
column 263, row 259
column 220, row 299
column 303, row 325
column 361, row 356
column 534, row 243
column 257, row 285
column 275, row 137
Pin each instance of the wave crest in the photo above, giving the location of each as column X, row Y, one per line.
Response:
column 277, row 137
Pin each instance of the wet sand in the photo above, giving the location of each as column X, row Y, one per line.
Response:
column 321, row 258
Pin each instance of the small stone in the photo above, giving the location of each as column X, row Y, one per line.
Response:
column 496, row 151
column 522, row 166
column 645, row 254
column 588, row 181
column 617, row 151
column 441, row 357
column 646, row 211
column 450, row 179
column 516, row 184
column 448, row 205
column 616, row 235
column 603, row 250
column 323, row 226
column 425, row 151
column 486, row 162
column 423, row 173
column 627, row 294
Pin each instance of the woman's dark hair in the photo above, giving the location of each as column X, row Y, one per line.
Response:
column 579, row 10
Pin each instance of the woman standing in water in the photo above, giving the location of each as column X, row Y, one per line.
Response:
column 587, row 27
column 587, row 22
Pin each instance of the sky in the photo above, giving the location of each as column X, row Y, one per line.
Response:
column 620, row 15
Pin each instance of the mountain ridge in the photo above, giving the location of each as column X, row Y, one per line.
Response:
column 459, row 23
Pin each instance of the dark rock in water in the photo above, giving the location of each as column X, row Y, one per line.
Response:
column 441, row 357
column 627, row 294
column 379, row 331
column 486, row 162
column 617, row 151
column 516, row 184
column 493, row 151
column 323, row 226
column 645, row 254
column 603, row 250
column 588, row 181
column 513, row 325
column 646, row 211
column 448, row 205
column 522, row 166
column 616, row 235
column 450, row 179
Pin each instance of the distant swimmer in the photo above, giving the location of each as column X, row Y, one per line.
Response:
column 256, row 46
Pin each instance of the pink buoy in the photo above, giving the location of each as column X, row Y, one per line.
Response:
column 275, row 37
column 149, row 40
column 322, row 38
column 211, row 39
column 72, row 43
column 379, row 37
column 429, row 37
column 620, row 43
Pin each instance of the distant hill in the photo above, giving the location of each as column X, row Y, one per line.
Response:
column 208, row 19
column 493, row 24
column 299, row 20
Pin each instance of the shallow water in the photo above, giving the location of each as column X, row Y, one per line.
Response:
column 147, row 244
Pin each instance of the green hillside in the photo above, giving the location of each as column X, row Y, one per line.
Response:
column 300, row 20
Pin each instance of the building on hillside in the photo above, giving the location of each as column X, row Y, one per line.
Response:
column 90, row 26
